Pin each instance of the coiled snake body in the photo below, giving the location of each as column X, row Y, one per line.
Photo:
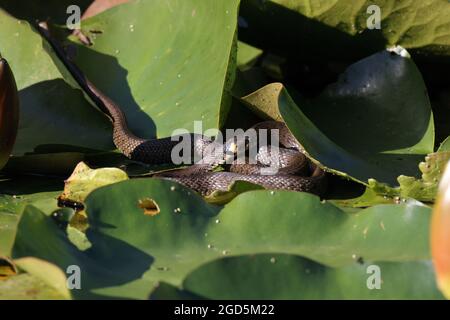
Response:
column 295, row 171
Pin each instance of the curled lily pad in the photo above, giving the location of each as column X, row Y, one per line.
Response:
column 374, row 123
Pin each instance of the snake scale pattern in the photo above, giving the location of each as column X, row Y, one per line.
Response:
column 295, row 172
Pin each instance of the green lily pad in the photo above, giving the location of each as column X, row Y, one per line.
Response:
column 42, row 280
column 15, row 195
column 27, row 287
column 336, row 30
column 188, row 232
column 247, row 55
column 184, row 71
column 445, row 145
column 8, row 225
column 420, row 189
column 84, row 180
column 47, row 272
column 33, row 10
column 375, row 122
column 52, row 113
column 264, row 277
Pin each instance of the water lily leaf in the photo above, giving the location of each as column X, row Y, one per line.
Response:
column 354, row 127
column 52, row 112
column 432, row 169
column 84, row 179
column 247, row 55
column 409, row 189
column 27, row 287
column 10, row 208
column 334, row 29
column 263, row 277
column 236, row 188
column 47, row 272
column 188, row 232
column 42, row 280
column 183, row 74
column 371, row 196
column 8, row 224
column 98, row 6
column 15, row 195
column 445, row 145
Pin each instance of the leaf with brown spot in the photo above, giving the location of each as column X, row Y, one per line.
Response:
column 149, row 206
column 84, row 179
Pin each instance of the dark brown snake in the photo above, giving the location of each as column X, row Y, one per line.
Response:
column 295, row 172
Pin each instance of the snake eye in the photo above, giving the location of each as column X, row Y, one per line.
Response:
column 230, row 150
column 233, row 148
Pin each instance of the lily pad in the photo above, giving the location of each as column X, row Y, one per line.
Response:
column 84, row 179
column 52, row 113
column 247, row 55
column 334, row 29
column 42, row 280
column 375, row 122
column 188, row 232
column 445, row 145
column 182, row 75
column 415, row 189
column 266, row 276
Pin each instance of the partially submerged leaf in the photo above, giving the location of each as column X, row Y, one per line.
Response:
column 422, row 189
column 425, row 189
column 273, row 276
column 236, row 188
column 374, row 123
column 170, row 245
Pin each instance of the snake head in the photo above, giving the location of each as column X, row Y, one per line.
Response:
column 235, row 147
